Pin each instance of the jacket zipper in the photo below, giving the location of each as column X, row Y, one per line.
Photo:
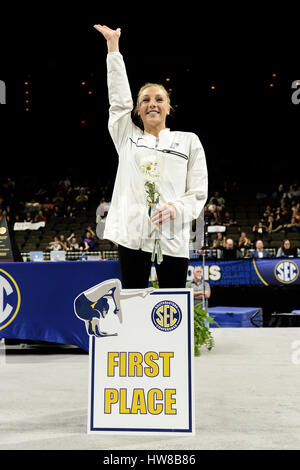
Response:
column 173, row 152
column 156, row 145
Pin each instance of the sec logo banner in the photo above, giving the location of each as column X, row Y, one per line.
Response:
column 10, row 299
column 286, row 272
column 166, row 315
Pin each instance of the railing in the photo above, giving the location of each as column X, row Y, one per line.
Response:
column 113, row 254
column 74, row 255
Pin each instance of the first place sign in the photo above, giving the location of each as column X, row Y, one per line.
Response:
column 141, row 369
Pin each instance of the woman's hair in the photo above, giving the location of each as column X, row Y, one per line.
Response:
column 148, row 85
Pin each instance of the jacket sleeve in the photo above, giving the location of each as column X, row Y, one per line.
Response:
column 120, row 123
column 190, row 205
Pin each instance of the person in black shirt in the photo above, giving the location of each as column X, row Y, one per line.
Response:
column 230, row 251
column 286, row 251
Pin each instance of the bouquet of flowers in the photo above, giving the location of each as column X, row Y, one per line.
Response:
column 151, row 175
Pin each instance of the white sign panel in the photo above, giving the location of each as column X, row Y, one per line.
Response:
column 141, row 359
column 28, row 225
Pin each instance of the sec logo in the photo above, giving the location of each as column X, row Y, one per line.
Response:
column 10, row 299
column 286, row 272
column 166, row 315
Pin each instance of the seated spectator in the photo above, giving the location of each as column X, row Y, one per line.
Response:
column 244, row 241
column 294, row 205
column 279, row 192
column 267, row 212
column 55, row 245
column 217, row 200
column 296, row 213
column 260, row 227
column 48, row 204
column 69, row 212
column 297, row 191
column 273, row 225
column 58, row 199
column 56, row 212
column 259, row 251
column 281, row 221
column 294, row 225
column 103, row 208
column 65, row 183
column 32, row 206
column 28, row 218
column 40, row 217
column 63, row 242
column 219, row 242
column 73, row 245
column 285, row 251
column 292, row 191
column 228, row 219
column 283, row 203
column 81, row 201
column 46, row 213
column 88, row 241
column 230, row 251
column 215, row 218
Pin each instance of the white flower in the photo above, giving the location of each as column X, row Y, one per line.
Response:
column 149, row 166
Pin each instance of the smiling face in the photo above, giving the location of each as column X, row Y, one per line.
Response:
column 153, row 107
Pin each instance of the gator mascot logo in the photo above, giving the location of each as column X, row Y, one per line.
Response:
column 103, row 302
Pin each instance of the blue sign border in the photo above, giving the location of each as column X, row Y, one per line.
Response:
column 190, row 352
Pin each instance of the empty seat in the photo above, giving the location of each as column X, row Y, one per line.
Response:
column 278, row 236
column 293, row 236
column 243, row 222
column 245, row 228
column 275, row 243
column 28, row 246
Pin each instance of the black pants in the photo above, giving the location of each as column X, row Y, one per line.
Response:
column 135, row 267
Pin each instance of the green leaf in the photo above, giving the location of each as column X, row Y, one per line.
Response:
column 202, row 334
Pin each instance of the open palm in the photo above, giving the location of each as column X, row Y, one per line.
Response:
column 107, row 32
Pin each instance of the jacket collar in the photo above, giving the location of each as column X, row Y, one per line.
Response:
column 162, row 132
column 163, row 138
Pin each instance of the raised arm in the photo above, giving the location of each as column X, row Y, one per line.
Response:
column 120, row 124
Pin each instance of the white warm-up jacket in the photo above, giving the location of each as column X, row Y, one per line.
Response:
column 181, row 166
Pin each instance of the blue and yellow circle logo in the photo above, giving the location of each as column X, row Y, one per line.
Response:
column 10, row 299
column 166, row 315
column 286, row 271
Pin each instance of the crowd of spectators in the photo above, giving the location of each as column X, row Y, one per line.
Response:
column 60, row 242
column 278, row 212
column 57, row 199
column 227, row 248
column 30, row 199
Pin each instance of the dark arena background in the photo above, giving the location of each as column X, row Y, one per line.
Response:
column 234, row 80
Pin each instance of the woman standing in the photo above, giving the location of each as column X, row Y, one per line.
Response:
column 182, row 179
